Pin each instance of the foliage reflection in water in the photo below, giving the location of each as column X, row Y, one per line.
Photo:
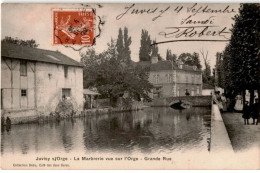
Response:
column 146, row 131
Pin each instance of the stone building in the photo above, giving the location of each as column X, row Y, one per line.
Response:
column 172, row 79
column 34, row 81
column 207, row 90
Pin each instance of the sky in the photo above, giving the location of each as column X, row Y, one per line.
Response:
column 34, row 21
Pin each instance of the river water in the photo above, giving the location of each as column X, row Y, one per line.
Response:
column 147, row 131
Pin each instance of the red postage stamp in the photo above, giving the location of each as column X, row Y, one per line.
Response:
column 73, row 26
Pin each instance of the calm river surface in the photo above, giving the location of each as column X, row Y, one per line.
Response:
column 146, row 131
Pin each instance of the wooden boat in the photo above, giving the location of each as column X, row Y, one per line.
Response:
column 180, row 105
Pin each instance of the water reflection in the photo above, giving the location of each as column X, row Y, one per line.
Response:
column 150, row 130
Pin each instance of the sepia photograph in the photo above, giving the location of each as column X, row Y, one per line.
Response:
column 130, row 86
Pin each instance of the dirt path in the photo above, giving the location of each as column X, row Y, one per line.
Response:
column 242, row 137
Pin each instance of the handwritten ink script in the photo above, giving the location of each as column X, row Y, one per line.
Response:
column 192, row 31
column 190, row 28
column 131, row 10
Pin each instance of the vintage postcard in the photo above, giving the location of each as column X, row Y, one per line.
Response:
column 130, row 86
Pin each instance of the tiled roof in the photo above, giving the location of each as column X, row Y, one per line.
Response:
column 142, row 63
column 34, row 54
column 168, row 65
column 162, row 65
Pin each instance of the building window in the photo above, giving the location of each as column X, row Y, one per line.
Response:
column 192, row 92
column 157, row 78
column 23, row 68
column 177, row 77
column 65, row 71
column 23, row 92
column 171, row 78
column 66, row 92
column 167, row 78
column 198, row 90
column 154, row 78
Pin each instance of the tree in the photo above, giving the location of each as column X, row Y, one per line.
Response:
column 241, row 56
column 155, row 51
column 226, row 69
column 112, row 50
column 127, row 43
column 206, row 75
column 107, row 73
column 29, row 43
column 170, row 56
column 145, row 48
column 220, row 72
column 120, row 44
column 196, row 60
column 186, row 58
column 123, row 46
column 190, row 59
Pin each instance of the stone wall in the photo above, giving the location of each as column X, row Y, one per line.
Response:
column 65, row 110
column 50, row 80
column 195, row 101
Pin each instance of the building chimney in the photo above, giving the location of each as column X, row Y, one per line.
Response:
column 154, row 59
column 180, row 63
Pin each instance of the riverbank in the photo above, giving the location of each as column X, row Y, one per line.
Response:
column 243, row 137
column 86, row 112
column 100, row 111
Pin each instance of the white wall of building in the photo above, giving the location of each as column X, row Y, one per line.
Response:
column 180, row 81
column 207, row 92
column 43, row 83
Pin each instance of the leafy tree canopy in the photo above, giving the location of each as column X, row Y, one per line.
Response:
column 111, row 77
column 241, row 56
column 190, row 59
column 170, row 56
column 29, row 43
column 123, row 46
column 145, row 48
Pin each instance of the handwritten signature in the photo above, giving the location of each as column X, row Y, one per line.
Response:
column 194, row 33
